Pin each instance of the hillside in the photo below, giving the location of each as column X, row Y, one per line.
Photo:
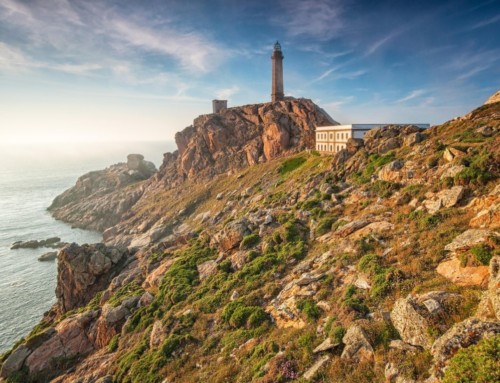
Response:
column 376, row 264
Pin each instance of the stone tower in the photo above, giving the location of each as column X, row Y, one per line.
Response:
column 277, row 86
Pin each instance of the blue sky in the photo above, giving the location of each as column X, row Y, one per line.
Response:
column 142, row 70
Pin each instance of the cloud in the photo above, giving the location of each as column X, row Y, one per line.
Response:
column 108, row 34
column 320, row 19
column 227, row 92
column 412, row 95
column 338, row 103
column 374, row 47
column 485, row 23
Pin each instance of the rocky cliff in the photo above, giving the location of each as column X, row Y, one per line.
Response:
column 377, row 264
column 100, row 199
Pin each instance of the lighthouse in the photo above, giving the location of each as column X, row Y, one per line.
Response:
column 277, row 81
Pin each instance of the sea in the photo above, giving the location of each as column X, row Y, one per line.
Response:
column 31, row 176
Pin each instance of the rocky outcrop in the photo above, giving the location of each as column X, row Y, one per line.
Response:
column 461, row 335
column 493, row 98
column 489, row 307
column 99, row 199
column 82, row 271
column 242, row 136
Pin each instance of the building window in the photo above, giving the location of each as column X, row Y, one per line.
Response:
column 337, row 148
column 331, row 148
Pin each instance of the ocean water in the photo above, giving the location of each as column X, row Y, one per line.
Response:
column 30, row 178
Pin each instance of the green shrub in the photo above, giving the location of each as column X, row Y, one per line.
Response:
column 375, row 161
column 113, row 344
column 479, row 363
column 309, row 308
column 479, row 171
column 337, row 333
column 383, row 188
column 250, row 241
column 482, row 253
column 291, row 164
column 238, row 315
column 325, row 225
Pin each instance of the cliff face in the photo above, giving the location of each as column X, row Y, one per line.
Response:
column 100, row 199
column 247, row 135
column 377, row 263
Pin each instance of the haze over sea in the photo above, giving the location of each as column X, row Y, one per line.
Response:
column 30, row 177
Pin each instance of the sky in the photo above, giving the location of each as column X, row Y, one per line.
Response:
column 83, row 70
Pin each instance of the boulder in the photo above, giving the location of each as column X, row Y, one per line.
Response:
column 469, row 238
column 232, row 234
column 351, row 227
column 461, row 335
column 451, row 197
column 463, row 276
column 357, row 347
column 489, row 307
column 450, row 154
column 85, row 270
column 411, row 325
column 69, row 340
column 158, row 335
column 207, row 269
column 15, row 361
column 50, row 256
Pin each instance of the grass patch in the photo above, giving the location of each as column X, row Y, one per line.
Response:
column 291, row 164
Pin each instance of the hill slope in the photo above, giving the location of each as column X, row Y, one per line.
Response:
column 377, row 263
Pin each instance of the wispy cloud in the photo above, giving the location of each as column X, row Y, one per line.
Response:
column 320, row 19
column 375, row 46
column 338, row 103
column 484, row 23
column 412, row 95
column 227, row 92
column 108, row 34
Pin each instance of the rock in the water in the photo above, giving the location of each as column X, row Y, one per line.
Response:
column 357, row 347
column 50, row 256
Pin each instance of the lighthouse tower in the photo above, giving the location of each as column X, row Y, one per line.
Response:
column 277, row 85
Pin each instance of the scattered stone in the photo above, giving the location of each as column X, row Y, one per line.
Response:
column 311, row 372
column 470, row 238
column 326, row 345
column 357, row 347
column 489, row 307
column 219, row 196
column 450, row 154
column 235, row 295
column 461, row 335
column 158, row 335
column 398, row 344
column 207, row 269
column 412, row 327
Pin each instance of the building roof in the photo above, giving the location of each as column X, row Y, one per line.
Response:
column 363, row 126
